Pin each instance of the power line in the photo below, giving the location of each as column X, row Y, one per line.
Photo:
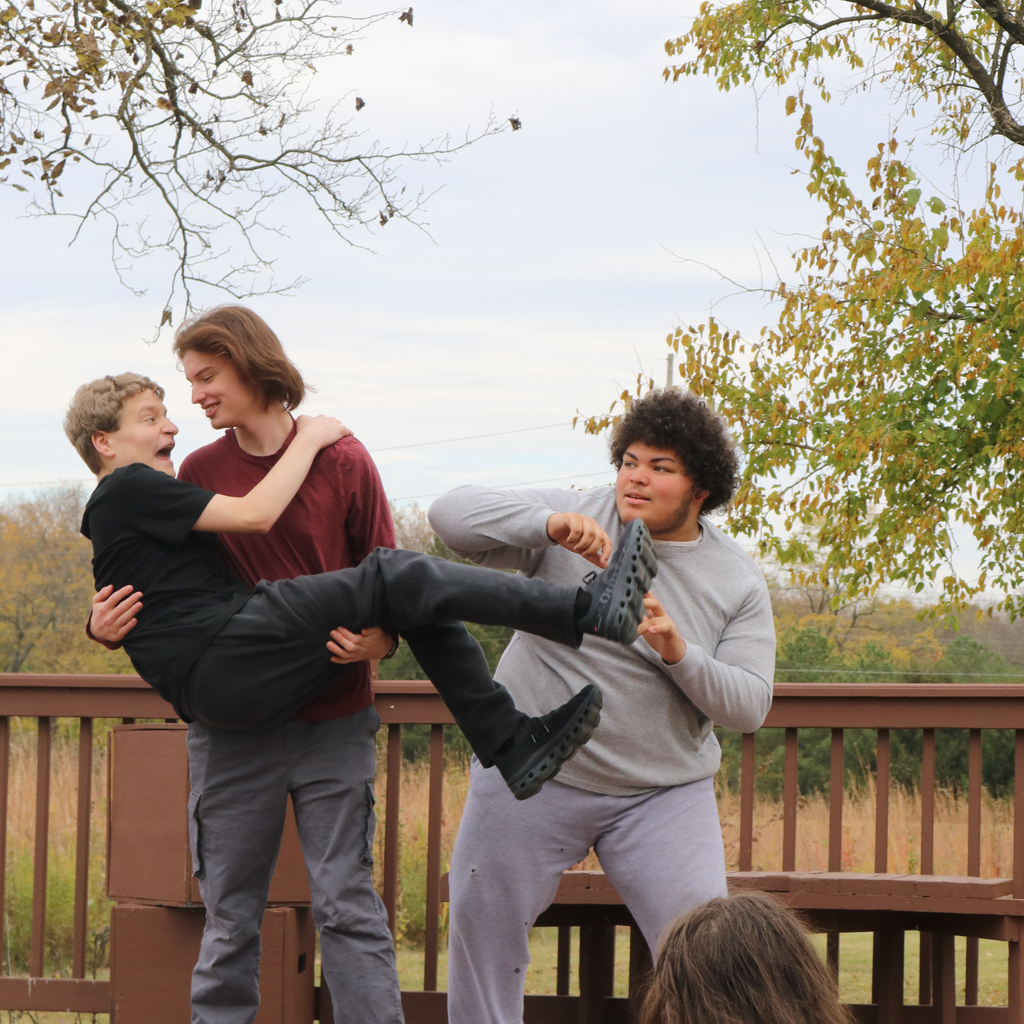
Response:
column 471, row 437
column 525, row 483
column 392, row 448
column 50, row 483
column 489, row 380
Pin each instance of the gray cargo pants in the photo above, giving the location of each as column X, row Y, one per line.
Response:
column 240, row 784
column 662, row 850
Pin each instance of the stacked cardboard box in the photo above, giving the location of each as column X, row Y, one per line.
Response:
column 158, row 921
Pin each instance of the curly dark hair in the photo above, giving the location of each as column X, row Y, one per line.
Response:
column 682, row 423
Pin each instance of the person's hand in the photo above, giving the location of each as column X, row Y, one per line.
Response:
column 348, row 647
column 661, row 632
column 324, row 430
column 114, row 614
column 582, row 535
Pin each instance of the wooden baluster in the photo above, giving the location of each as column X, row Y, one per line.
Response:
column 433, row 901
column 882, row 942
column 597, row 971
column 5, row 758
column 882, row 803
column 790, row 795
column 926, row 954
column 37, row 947
column 928, row 801
column 974, row 803
column 944, row 973
column 747, row 803
column 1018, row 816
column 391, row 820
column 564, row 956
column 640, row 964
column 82, row 847
column 973, row 854
column 835, row 834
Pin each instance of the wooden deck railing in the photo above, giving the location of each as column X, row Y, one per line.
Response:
column 880, row 707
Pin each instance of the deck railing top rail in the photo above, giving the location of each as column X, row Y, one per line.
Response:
column 783, row 690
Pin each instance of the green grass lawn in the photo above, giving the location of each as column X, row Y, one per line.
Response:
column 854, row 971
column 854, row 966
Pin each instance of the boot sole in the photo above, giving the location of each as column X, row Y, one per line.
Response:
column 548, row 761
column 620, row 607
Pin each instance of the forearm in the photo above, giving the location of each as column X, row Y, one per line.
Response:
column 731, row 696
column 257, row 511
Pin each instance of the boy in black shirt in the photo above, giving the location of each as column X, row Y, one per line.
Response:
column 241, row 660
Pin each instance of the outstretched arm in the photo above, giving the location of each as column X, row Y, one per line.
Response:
column 511, row 529
column 257, row 511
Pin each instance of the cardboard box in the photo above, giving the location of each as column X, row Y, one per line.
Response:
column 148, row 855
column 153, row 951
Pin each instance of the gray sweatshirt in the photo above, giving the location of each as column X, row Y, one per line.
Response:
column 656, row 724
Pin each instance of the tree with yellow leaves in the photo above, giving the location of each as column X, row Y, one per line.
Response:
column 46, row 586
column 884, row 402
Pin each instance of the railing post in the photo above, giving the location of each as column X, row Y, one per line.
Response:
column 1018, row 815
column 973, row 854
column 882, row 942
column 928, row 799
column 391, row 824
column 882, row 802
column 790, row 796
column 433, row 901
column 747, row 803
column 5, row 758
column 37, row 948
column 835, row 834
column 82, row 847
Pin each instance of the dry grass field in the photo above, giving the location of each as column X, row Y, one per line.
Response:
column 811, row 855
column 858, row 854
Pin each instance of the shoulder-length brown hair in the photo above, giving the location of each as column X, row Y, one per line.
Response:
column 741, row 960
column 243, row 337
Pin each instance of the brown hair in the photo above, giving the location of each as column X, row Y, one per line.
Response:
column 238, row 334
column 97, row 406
column 741, row 960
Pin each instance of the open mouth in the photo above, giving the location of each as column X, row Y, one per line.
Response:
column 165, row 452
column 209, row 410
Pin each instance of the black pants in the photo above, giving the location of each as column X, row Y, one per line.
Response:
column 271, row 657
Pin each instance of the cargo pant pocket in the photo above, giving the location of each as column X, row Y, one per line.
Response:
column 195, row 834
column 371, row 825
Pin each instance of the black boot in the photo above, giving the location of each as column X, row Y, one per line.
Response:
column 617, row 594
column 542, row 745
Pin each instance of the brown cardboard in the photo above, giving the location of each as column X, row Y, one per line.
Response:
column 148, row 855
column 153, row 951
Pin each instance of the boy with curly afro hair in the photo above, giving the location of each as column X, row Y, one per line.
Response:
column 641, row 793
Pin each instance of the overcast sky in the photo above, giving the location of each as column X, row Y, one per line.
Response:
column 548, row 278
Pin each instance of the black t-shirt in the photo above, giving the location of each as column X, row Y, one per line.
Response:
column 140, row 523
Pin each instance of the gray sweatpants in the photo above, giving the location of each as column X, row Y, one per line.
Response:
column 661, row 850
column 240, row 785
